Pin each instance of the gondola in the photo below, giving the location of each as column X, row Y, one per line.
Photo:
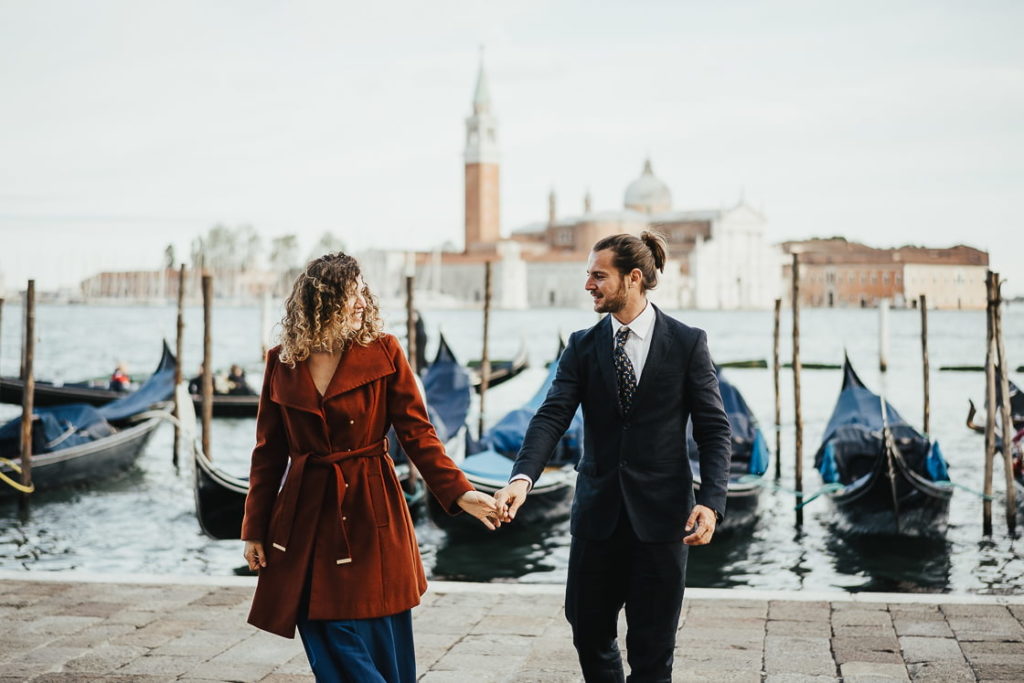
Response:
column 489, row 467
column 1016, row 407
column 79, row 443
column 749, row 459
column 889, row 479
column 501, row 370
column 50, row 394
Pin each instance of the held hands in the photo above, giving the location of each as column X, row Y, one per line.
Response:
column 705, row 520
column 481, row 506
column 511, row 498
column 254, row 555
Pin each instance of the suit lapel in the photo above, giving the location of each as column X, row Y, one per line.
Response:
column 604, row 357
column 661, row 348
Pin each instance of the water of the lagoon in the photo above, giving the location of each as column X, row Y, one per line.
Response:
column 145, row 521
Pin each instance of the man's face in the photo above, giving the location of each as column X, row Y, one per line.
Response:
column 605, row 283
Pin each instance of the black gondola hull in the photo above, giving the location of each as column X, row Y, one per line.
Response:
column 866, row 508
column 98, row 460
column 12, row 390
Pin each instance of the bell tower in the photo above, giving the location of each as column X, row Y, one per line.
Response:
column 483, row 225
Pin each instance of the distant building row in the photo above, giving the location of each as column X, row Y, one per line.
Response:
column 718, row 258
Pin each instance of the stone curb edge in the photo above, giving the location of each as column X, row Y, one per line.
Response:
column 531, row 589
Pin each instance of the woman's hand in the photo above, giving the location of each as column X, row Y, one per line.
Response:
column 481, row 506
column 254, row 555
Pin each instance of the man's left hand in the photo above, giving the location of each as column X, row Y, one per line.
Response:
column 704, row 519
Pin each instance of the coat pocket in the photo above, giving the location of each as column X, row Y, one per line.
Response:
column 379, row 493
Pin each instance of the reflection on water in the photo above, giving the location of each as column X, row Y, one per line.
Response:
column 901, row 565
column 145, row 521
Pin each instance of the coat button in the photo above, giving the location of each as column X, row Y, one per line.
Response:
column 344, row 519
column 351, row 422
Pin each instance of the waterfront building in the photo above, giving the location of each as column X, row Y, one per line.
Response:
column 835, row 272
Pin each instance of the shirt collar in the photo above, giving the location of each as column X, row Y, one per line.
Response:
column 640, row 325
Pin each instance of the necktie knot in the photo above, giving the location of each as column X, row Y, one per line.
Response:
column 621, row 336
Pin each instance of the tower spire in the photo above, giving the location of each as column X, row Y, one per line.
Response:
column 482, row 94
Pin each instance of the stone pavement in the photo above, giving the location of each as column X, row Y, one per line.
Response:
column 79, row 628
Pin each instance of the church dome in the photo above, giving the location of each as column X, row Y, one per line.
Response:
column 647, row 193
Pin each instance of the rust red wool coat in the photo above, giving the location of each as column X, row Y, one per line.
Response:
column 323, row 495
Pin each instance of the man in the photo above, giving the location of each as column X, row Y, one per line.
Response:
column 640, row 376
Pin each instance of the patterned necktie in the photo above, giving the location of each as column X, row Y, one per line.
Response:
column 624, row 372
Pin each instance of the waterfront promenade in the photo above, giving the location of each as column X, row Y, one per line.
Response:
column 68, row 627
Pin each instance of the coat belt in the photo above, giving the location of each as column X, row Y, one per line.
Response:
column 293, row 482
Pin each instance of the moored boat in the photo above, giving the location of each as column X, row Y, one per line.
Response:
column 888, row 479
column 80, row 444
column 749, row 460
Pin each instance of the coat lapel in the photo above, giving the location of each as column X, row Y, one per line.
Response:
column 359, row 365
column 604, row 357
column 293, row 387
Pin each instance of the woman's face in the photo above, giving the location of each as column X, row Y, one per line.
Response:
column 356, row 304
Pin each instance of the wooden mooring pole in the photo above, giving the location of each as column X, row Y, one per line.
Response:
column 207, row 362
column 1004, row 404
column 485, row 360
column 28, row 355
column 798, row 414
column 179, row 344
column 778, row 393
column 410, row 322
column 883, row 335
column 923, row 303
column 990, row 405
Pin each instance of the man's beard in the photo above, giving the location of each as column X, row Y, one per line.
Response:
column 612, row 303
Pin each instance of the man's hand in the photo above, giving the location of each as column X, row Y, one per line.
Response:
column 511, row 498
column 704, row 519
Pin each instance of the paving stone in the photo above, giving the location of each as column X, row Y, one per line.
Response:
column 917, row 649
column 936, row 672
column 161, row 665
column 874, row 630
column 930, row 627
column 799, row 678
column 799, row 611
column 968, row 610
column 479, row 662
column 103, row 660
column 992, row 647
column 39, row 661
column 872, row 672
column 880, row 650
column 481, row 676
column 61, row 625
column 511, row 624
column 716, row 676
column 861, row 617
column 232, row 671
column 796, row 628
column 998, row 671
column 541, row 675
column 807, row 665
column 844, row 606
column 287, row 678
column 94, row 636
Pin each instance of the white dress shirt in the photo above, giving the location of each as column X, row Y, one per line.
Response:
column 638, row 345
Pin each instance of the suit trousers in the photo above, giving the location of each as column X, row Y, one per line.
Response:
column 648, row 579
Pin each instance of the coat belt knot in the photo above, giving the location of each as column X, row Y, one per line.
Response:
column 289, row 494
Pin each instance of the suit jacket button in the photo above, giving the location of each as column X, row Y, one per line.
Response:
column 623, row 463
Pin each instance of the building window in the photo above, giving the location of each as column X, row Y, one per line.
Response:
column 885, row 278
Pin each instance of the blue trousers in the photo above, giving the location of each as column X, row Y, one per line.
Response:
column 376, row 650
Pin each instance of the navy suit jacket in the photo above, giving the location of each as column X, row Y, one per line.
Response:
column 638, row 460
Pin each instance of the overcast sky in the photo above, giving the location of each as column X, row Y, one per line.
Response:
column 128, row 125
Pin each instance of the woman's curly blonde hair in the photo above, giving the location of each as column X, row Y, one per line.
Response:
column 314, row 315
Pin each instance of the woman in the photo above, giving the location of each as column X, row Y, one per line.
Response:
column 326, row 523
